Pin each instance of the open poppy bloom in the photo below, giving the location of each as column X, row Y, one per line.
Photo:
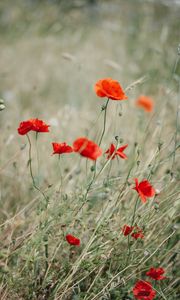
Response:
column 32, row 125
column 145, row 102
column 127, row 229
column 144, row 189
column 156, row 273
column 72, row 240
column 87, row 148
column 109, row 88
column 137, row 233
column 60, row 148
column 143, row 290
column 112, row 152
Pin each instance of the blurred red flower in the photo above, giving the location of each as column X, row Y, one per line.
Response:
column 60, row 148
column 72, row 240
column 144, row 189
column 127, row 229
column 109, row 88
column 87, row 148
column 156, row 273
column 119, row 152
column 143, row 290
column 145, row 102
column 32, row 125
column 137, row 233
column 25, row 127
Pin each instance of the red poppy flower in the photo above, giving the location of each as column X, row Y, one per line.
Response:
column 137, row 233
column 109, row 88
column 119, row 152
column 144, row 189
column 87, row 148
column 127, row 229
column 72, row 240
column 146, row 103
column 25, row 127
column 60, row 148
column 39, row 125
column 33, row 125
column 143, row 290
column 156, row 273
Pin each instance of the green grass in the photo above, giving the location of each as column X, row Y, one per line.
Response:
column 51, row 56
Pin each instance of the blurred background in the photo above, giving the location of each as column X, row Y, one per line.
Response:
column 53, row 52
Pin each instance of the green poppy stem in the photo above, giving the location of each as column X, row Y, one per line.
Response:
column 132, row 223
column 45, row 238
column 104, row 124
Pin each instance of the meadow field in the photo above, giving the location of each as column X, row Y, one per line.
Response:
column 78, row 225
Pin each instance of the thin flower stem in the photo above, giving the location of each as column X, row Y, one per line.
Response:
column 109, row 171
column 45, row 238
column 85, row 196
column 109, row 161
column 37, row 154
column 134, row 213
column 104, row 125
column 60, row 173
column 132, row 223
column 46, row 250
column 102, row 135
column 94, row 175
column 31, row 172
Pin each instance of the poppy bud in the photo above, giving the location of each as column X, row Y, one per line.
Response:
column 116, row 138
column 92, row 168
column 103, row 107
column 178, row 49
column 2, row 107
column 121, row 140
column 168, row 171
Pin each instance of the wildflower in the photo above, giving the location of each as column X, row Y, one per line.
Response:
column 112, row 152
column 127, row 229
column 72, row 240
column 156, row 273
column 109, row 88
column 2, row 106
column 145, row 102
column 87, row 148
column 24, row 127
column 60, row 148
column 33, row 125
column 137, row 233
column 144, row 189
column 143, row 290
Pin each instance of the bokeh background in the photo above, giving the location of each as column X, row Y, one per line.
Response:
column 52, row 53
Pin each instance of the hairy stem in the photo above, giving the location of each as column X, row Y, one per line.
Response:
column 104, row 124
column 45, row 238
